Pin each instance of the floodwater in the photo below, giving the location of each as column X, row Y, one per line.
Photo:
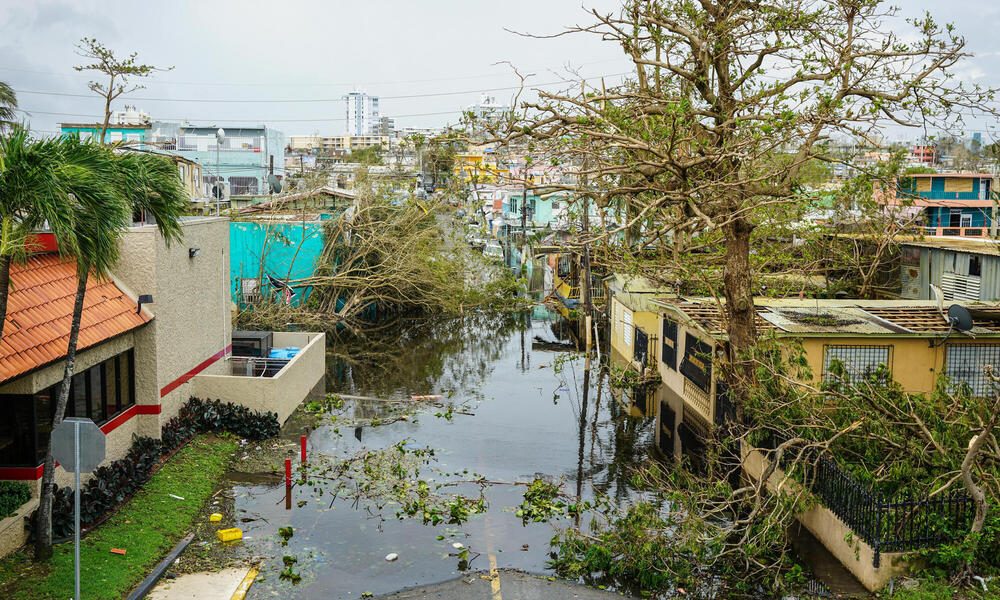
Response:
column 531, row 414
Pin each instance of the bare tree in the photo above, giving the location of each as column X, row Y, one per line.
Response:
column 119, row 72
column 728, row 101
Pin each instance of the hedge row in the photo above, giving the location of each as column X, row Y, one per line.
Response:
column 113, row 483
column 13, row 495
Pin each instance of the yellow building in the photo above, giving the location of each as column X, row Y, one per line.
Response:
column 479, row 167
column 911, row 338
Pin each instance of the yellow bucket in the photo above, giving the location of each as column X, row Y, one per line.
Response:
column 215, row 517
column 230, row 535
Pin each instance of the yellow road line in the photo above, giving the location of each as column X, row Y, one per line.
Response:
column 494, row 577
column 244, row 586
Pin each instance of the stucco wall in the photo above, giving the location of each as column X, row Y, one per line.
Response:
column 191, row 306
column 279, row 394
column 856, row 555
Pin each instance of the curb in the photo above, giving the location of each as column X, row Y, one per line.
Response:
column 244, row 586
column 150, row 580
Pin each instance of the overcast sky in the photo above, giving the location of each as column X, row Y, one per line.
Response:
column 319, row 50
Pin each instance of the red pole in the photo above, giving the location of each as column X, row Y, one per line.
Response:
column 288, row 471
column 303, row 448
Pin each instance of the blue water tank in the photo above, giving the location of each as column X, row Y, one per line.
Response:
column 285, row 353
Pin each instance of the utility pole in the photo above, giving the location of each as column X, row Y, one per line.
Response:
column 524, row 207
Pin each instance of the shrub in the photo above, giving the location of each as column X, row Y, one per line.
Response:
column 113, row 483
column 13, row 495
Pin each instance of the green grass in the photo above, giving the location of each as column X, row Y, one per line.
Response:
column 932, row 590
column 147, row 527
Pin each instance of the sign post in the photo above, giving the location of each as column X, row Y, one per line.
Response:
column 78, row 446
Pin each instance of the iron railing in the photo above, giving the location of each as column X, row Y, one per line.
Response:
column 886, row 524
column 252, row 366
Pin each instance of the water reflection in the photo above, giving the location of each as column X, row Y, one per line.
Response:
column 535, row 410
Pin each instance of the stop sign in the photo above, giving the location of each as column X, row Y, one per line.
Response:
column 91, row 438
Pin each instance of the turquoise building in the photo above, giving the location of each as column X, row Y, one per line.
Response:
column 282, row 250
column 957, row 204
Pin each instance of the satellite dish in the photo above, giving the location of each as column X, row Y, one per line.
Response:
column 219, row 190
column 275, row 183
column 959, row 317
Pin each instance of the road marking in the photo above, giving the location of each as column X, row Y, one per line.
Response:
column 494, row 577
column 244, row 586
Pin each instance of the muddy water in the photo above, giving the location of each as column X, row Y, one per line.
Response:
column 530, row 417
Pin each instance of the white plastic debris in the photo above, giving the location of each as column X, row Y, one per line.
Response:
column 175, row 496
column 391, row 557
column 458, row 545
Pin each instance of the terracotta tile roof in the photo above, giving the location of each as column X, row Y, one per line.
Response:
column 40, row 310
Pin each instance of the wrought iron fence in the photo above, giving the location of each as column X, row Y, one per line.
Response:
column 886, row 524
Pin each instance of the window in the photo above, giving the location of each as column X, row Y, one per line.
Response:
column 182, row 169
column 923, row 184
column 966, row 220
column 242, row 185
column 975, row 265
column 964, row 363
column 960, row 185
column 859, row 362
column 100, row 392
column 627, row 327
column 910, row 255
column 697, row 363
column 668, row 354
column 132, row 137
column 114, row 136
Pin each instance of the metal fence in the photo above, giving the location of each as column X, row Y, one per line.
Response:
column 887, row 525
column 252, row 366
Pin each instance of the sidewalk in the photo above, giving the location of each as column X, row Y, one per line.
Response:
column 200, row 586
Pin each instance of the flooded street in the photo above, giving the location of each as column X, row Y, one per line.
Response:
column 514, row 407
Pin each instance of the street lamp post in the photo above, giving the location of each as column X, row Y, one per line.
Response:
column 220, row 136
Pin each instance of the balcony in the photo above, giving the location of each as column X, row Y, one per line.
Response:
column 269, row 384
column 977, row 232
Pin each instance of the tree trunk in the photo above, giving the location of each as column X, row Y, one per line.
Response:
column 43, row 535
column 740, row 312
column 976, row 492
column 4, row 289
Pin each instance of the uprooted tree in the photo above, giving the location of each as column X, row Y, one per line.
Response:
column 703, row 152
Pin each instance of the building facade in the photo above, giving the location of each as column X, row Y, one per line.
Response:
column 244, row 160
column 361, row 114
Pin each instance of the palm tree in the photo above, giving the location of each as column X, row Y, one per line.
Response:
column 38, row 181
column 140, row 181
column 8, row 104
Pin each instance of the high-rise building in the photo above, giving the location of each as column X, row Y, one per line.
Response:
column 362, row 113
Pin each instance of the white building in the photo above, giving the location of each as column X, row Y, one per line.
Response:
column 488, row 109
column 362, row 114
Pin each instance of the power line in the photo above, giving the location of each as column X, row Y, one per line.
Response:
column 299, row 84
column 246, row 120
column 313, row 100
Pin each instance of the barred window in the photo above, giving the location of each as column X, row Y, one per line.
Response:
column 859, row 361
column 964, row 363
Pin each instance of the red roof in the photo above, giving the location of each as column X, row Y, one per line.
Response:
column 40, row 310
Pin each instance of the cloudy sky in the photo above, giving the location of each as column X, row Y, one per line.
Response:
column 427, row 59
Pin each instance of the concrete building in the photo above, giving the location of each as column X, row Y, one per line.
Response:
column 246, row 157
column 136, row 365
column 679, row 342
column 332, row 145
column 128, row 125
column 361, row 114
column 953, row 204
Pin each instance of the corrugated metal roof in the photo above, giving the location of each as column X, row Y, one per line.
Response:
column 40, row 311
column 840, row 317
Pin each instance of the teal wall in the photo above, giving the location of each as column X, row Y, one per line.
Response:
column 95, row 132
column 290, row 250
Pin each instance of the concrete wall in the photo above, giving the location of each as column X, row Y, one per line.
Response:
column 192, row 325
column 283, row 392
column 856, row 555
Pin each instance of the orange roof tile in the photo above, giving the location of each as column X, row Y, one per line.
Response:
column 40, row 310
